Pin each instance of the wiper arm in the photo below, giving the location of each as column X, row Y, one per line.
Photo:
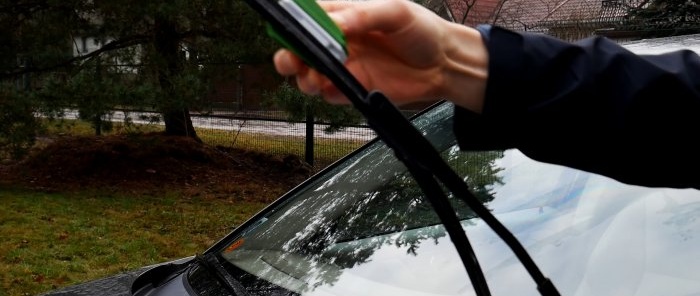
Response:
column 211, row 263
column 419, row 156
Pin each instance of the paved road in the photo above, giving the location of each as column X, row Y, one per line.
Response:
column 251, row 126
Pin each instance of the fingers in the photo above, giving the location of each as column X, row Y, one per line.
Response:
column 366, row 16
column 286, row 63
column 310, row 81
column 330, row 6
column 332, row 95
column 354, row 18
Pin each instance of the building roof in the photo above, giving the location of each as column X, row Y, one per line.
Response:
column 544, row 14
column 570, row 19
column 472, row 12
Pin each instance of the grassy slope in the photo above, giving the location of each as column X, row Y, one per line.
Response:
column 77, row 237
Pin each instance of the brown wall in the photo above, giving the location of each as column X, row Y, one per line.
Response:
column 245, row 87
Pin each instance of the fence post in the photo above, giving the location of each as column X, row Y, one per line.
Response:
column 309, row 148
column 23, row 83
column 239, row 94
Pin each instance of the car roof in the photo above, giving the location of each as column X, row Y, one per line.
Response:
column 664, row 44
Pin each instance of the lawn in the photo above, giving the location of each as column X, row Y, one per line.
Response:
column 52, row 240
column 74, row 224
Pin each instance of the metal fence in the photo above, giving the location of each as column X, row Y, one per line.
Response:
column 268, row 130
column 307, row 140
column 238, row 115
column 263, row 131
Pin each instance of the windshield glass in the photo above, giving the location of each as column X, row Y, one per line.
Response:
column 365, row 228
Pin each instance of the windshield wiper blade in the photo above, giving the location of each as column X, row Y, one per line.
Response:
column 414, row 150
column 211, row 263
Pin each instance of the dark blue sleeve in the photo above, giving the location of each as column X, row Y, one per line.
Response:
column 590, row 105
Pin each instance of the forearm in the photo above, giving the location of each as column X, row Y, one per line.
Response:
column 592, row 106
column 466, row 67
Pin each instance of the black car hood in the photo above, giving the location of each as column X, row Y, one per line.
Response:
column 116, row 285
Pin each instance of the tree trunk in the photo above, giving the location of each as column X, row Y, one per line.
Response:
column 167, row 44
column 179, row 123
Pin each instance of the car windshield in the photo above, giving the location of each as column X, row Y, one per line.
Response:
column 365, row 228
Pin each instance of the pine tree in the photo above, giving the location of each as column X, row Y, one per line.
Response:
column 659, row 18
column 153, row 54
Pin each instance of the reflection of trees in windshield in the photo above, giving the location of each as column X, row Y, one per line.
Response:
column 478, row 171
column 400, row 205
column 395, row 214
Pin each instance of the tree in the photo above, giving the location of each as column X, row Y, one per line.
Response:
column 164, row 47
column 19, row 125
column 467, row 12
column 660, row 18
column 299, row 106
column 24, row 44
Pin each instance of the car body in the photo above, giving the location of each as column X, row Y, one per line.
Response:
column 363, row 227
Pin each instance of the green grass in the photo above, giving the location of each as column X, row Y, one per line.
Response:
column 325, row 150
column 51, row 240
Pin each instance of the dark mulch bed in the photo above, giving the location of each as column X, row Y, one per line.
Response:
column 154, row 163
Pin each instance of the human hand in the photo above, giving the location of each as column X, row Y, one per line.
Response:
column 403, row 50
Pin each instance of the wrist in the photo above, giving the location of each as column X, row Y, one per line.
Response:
column 465, row 71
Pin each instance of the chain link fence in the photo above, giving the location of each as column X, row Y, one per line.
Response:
column 238, row 114
column 306, row 140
